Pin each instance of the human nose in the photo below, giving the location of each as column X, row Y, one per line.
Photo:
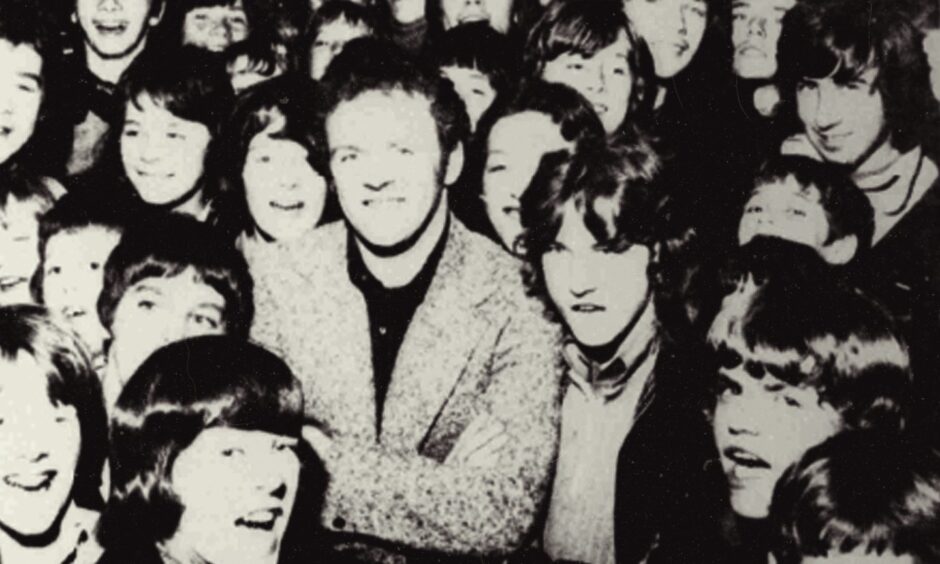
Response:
column 757, row 25
column 827, row 114
column 149, row 150
column 581, row 283
column 742, row 416
column 109, row 5
column 597, row 81
column 683, row 28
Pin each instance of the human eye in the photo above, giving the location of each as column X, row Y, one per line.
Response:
column 175, row 136
column 206, row 321
column 728, row 387
column 576, row 66
column 283, row 445
column 796, row 212
column 131, row 132
column 554, row 247
column 146, row 305
column 754, row 208
column 231, row 452
column 28, row 87
column 511, row 210
column 621, row 70
column 344, row 157
column 699, row 8
column 53, row 270
column 405, row 151
column 495, row 167
column 805, row 85
column 790, row 401
column 94, row 265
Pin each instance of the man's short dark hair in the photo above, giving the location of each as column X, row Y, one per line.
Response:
column 877, row 492
column 842, row 39
column 368, row 64
column 164, row 246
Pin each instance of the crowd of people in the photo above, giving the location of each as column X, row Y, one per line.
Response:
column 510, row 281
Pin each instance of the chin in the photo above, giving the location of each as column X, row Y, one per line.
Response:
column 749, row 506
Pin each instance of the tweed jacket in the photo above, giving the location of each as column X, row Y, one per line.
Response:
column 476, row 347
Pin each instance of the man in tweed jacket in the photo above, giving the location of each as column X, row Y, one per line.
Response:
column 439, row 441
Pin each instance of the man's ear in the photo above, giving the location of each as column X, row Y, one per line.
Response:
column 155, row 18
column 840, row 251
column 454, row 165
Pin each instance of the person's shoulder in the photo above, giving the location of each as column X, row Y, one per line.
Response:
column 304, row 256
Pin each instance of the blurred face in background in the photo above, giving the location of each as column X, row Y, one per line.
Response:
column 755, row 31
column 330, row 41
column 497, row 12
column 474, row 88
column 673, row 29
column 216, row 27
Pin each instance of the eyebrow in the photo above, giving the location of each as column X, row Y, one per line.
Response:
column 146, row 288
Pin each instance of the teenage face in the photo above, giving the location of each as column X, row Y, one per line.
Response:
column 762, row 426
column 114, row 28
column 19, row 250
column 786, row 210
column 845, row 122
column 285, row 194
column 497, row 12
column 215, row 27
column 237, row 489
column 755, row 30
column 163, row 155
column 673, row 29
column 41, row 442
column 598, row 291
column 330, row 41
column 73, row 275
column 514, row 149
column 386, row 163
column 859, row 556
column 604, row 80
column 158, row 311
column 474, row 88
column 21, row 92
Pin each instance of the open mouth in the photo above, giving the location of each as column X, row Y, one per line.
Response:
column 745, row 464
column 587, row 308
column 107, row 27
column 599, row 108
column 8, row 283
column 292, row 206
column 30, row 482
column 260, row 519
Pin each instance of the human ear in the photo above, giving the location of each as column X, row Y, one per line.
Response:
column 840, row 251
column 454, row 165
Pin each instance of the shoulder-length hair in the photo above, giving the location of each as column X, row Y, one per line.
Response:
column 840, row 39
column 70, row 380
column 164, row 246
column 181, row 390
column 286, row 103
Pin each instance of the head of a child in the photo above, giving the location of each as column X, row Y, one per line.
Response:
column 755, row 30
column 544, row 117
column 593, row 236
column 809, row 202
column 169, row 278
column 473, row 57
column 253, row 61
column 798, row 359
column 75, row 240
column 117, row 30
column 54, row 432
column 213, row 25
column 174, row 111
column 23, row 200
column 335, row 24
column 860, row 498
column 591, row 47
column 275, row 181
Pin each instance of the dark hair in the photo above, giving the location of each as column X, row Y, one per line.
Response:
column 289, row 100
column 164, row 246
column 478, row 46
column 351, row 12
column 787, row 316
column 523, row 15
column 20, row 185
column 263, row 56
column 584, row 28
column 181, row 390
column 843, row 38
column 368, row 64
column 878, row 492
column 847, row 209
column 617, row 193
column 71, row 213
column 70, row 380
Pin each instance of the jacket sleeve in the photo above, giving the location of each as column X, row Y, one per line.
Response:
column 422, row 503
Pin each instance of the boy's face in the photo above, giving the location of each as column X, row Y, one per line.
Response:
column 40, row 442
column 330, row 41
column 386, row 159
column 21, row 91
column 19, row 250
column 163, row 154
column 158, row 311
column 285, row 195
column 514, row 150
column 756, row 26
column 598, row 291
column 786, row 210
column 844, row 121
column 215, row 27
column 604, row 79
column 860, row 556
column 497, row 12
column 73, row 275
column 114, row 28
column 762, row 426
column 673, row 29
column 474, row 88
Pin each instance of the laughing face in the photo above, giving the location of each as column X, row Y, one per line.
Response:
column 844, row 120
column 763, row 425
column 40, row 441
column 673, row 29
column 285, row 194
column 114, row 28
column 215, row 27
column 237, row 489
column 497, row 12
column 604, row 79
column 755, row 31
column 163, row 154
column 21, row 92
column 597, row 290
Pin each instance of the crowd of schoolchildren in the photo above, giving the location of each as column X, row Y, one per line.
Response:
column 515, row 281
